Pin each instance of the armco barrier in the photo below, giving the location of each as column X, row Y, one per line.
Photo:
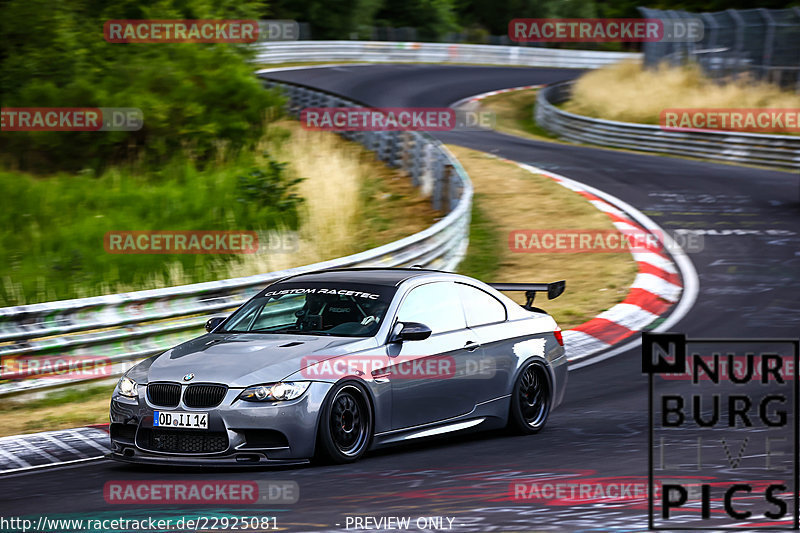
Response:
column 776, row 151
column 402, row 52
column 123, row 328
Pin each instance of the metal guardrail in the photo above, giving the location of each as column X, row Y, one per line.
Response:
column 775, row 151
column 123, row 328
column 394, row 52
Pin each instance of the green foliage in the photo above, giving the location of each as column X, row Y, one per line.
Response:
column 485, row 244
column 270, row 187
column 194, row 97
column 431, row 18
column 52, row 245
column 344, row 19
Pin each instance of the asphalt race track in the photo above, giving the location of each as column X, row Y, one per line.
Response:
column 749, row 287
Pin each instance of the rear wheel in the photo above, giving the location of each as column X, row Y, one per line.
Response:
column 346, row 425
column 530, row 399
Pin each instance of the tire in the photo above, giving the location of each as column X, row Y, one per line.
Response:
column 531, row 399
column 346, row 425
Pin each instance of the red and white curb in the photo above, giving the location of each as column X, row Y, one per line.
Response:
column 35, row 451
column 472, row 100
column 662, row 281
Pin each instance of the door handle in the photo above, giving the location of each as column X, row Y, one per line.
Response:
column 471, row 346
column 381, row 375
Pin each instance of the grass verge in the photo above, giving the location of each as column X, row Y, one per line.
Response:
column 514, row 114
column 79, row 406
column 626, row 92
column 510, row 198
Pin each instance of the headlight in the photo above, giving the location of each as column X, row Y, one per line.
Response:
column 288, row 390
column 128, row 387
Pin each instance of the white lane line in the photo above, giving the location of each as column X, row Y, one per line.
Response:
column 608, row 208
column 309, row 67
column 14, row 458
column 631, row 230
column 27, row 469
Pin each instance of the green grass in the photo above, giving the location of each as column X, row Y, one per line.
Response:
column 85, row 393
column 514, row 112
column 486, row 243
column 52, row 241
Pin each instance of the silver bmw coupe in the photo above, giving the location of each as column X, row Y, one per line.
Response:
column 330, row 364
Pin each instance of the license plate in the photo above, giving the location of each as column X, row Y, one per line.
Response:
column 180, row 419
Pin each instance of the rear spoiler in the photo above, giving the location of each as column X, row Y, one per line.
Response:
column 553, row 290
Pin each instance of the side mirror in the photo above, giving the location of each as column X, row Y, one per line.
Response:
column 213, row 322
column 410, row 331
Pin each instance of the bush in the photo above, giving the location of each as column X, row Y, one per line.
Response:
column 194, row 97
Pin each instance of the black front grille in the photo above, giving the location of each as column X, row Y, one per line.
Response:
column 175, row 441
column 164, row 394
column 204, row 395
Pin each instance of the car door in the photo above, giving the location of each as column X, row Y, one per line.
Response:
column 428, row 376
column 486, row 318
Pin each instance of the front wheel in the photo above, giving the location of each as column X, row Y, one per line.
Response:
column 530, row 399
column 346, row 425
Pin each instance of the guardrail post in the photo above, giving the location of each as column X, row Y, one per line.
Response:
column 450, row 177
column 438, row 182
column 417, row 163
column 405, row 151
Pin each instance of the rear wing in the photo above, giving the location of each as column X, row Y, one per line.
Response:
column 553, row 290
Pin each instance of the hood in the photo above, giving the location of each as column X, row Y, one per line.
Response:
column 242, row 359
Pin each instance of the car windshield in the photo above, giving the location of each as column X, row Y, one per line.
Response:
column 338, row 309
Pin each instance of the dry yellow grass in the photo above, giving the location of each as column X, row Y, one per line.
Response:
column 628, row 93
column 513, row 199
column 353, row 202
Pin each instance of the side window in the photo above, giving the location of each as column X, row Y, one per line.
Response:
column 479, row 307
column 436, row 305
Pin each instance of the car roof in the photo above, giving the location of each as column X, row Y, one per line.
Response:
column 374, row 276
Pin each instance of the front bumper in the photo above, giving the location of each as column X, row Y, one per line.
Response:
column 239, row 433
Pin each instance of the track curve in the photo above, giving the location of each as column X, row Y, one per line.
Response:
column 749, row 286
